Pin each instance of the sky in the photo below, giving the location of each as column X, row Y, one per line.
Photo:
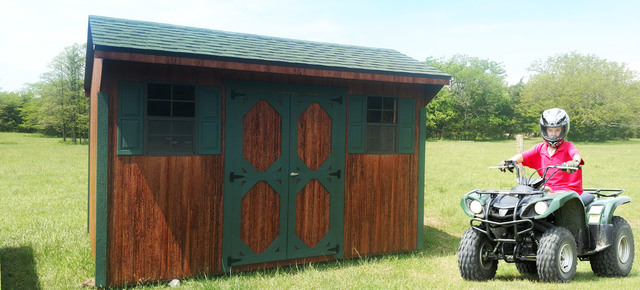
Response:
column 512, row 33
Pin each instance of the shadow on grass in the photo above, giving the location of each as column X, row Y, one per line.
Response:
column 18, row 269
column 438, row 243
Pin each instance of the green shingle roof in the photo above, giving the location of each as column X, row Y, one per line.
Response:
column 156, row 38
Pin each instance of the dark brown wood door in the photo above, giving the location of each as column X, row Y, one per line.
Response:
column 284, row 193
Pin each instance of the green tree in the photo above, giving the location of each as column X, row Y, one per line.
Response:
column 476, row 105
column 63, row 106
column 10, row 104
column 600, row 96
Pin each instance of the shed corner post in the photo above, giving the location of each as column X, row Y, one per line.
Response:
column 102, row 166
column 422, row 135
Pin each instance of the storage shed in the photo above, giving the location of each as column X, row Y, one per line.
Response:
column 214, row 151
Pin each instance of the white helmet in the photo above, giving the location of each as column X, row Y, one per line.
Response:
column 554, row 118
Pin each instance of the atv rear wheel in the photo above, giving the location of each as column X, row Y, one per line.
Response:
column 617, row 259
column 473, row 257
column 557, row 256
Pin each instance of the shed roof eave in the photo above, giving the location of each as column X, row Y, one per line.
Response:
column 239, row 64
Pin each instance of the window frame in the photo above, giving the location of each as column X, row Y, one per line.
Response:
column 378, row 148
column 170, row 119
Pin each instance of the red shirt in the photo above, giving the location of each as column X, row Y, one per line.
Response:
column 538, row 157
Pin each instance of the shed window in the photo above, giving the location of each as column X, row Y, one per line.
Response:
column 171, row 119
column 381, row 125
column 168, row 119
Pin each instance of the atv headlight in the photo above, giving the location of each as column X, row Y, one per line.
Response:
column 540, row 207
column 475, row 207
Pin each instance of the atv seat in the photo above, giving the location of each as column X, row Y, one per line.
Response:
column 587, row 198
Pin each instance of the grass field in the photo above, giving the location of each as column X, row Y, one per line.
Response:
column 44, row 242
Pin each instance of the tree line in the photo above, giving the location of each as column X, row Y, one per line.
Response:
column 601, row 97
column 54, row 106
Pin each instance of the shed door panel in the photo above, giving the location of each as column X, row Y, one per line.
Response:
column 285, row 193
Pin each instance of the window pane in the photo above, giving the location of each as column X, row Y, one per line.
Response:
column 374, row 116
column 184, row 92
column 159, row 108
column 389, row 117
column 381, row 139
column 159, row 144
column 159, row 127
column 159, row 91
column 389, row 103
column 374, row 103
column 182, row 128
column 184, row 109
column 183, row 144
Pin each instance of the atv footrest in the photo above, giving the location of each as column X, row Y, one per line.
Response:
column 515, row 224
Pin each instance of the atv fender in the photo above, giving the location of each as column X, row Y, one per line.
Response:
column 599, row 215
column 557, row 201
column 601, row 210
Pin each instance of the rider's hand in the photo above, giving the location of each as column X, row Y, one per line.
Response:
column 504, row 164
column 572, row 163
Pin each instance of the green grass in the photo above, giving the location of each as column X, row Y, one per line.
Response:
column 44, row 241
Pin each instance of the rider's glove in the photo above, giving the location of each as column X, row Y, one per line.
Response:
column 572, row 163
column 506, row 164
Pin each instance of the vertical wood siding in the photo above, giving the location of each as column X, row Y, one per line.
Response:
column 165, row 213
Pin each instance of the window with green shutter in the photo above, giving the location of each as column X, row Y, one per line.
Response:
column 168, row 119
column 381, row 125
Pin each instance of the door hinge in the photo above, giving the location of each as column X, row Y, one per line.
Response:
column 335, row 249
column 338, row 100
column 235, row 94
column 232, row 260
column 233, row 176
column 336, row 174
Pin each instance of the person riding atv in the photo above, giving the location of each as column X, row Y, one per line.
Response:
column 544, row 227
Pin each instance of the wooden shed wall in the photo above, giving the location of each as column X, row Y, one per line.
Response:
column 165, row 213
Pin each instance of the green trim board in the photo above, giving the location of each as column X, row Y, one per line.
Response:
column 422, row 134
column 102, row 167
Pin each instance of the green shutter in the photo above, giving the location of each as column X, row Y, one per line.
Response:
column 130, row 118
column 406, row 125
column 357, row 107
column 209, row 121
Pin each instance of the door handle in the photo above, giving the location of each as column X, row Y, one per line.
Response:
column 294, row 174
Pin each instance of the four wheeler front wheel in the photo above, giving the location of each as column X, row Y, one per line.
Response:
column 557, row 256
column 617, row 259
column 473, row 257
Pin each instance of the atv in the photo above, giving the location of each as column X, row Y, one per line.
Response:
column 544, row 233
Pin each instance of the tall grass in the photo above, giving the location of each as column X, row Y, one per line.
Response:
column 44, row 241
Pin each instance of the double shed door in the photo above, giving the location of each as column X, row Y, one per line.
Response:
column 284, row 187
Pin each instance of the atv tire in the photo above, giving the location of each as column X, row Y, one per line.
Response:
column 557, row 256
column 473, row 255
column 617, row 259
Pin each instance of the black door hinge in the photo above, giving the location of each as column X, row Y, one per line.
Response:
column 232, row 260
column 233, row 176
column 336, row 174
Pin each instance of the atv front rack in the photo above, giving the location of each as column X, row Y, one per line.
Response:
column 515, row 222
